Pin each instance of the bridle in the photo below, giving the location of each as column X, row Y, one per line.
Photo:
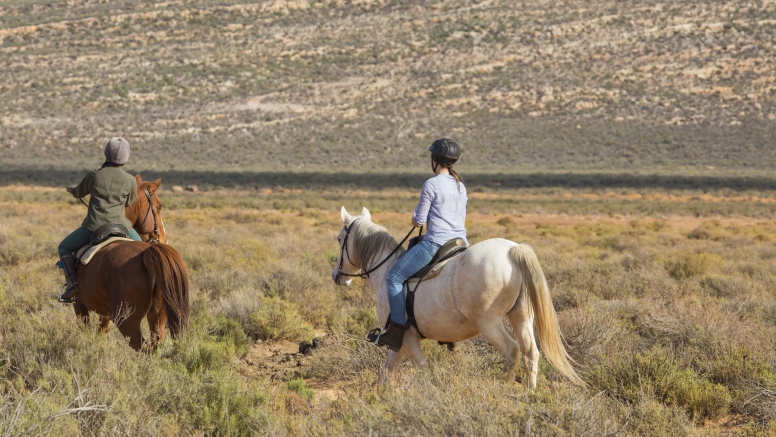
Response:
column 152, row 210
column 344, row 252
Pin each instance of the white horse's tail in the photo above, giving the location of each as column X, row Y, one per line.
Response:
column 545, row 320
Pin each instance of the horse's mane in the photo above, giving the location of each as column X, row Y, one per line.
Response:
column 369, row 241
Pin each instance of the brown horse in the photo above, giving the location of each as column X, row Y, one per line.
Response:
column 126, row 281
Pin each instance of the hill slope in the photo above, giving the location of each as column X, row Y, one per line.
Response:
column 366, row 85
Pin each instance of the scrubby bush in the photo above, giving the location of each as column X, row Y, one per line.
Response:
column 266, row 318
column 654, row 374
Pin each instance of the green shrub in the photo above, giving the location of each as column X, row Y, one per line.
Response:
column 693, row 264
column 654, row 374
column 297, row 385
column 277, row 319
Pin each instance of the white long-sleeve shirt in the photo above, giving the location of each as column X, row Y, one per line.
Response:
column 442, row 208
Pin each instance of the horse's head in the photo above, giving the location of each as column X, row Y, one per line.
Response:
column 146, row 213
column 345, row 269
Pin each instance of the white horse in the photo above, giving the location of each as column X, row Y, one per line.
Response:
column 472, row 294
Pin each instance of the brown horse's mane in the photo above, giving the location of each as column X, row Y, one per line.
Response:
column 137, row 210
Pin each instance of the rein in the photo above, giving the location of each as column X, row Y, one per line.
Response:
column 344, row 252
column 151, row 209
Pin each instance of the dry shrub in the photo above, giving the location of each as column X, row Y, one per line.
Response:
column 693, row 264
column 730, row 287
column 265, row 318
column 708, row 326
column 344, row 357
column 699, row 234
column 711, row 230
column 587, row 331
column 760, row 401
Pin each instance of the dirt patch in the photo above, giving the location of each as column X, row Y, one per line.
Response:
column 281, row 361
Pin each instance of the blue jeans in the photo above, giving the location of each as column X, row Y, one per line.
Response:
column 409, row 264
column 81, row 237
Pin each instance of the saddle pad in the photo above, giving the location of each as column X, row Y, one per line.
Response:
column 85, row 254
column 433, row 273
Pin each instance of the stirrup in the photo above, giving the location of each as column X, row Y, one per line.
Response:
column 374, row 335
column 62, row 291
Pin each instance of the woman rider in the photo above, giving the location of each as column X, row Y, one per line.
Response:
column 112, row 189
column 442, row 208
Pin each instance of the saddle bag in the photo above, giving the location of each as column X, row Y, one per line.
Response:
column 108, row 230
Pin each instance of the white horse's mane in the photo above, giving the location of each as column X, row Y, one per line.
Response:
column 369, row 241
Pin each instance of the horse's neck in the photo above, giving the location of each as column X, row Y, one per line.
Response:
column 132, row 212
column 376, row 279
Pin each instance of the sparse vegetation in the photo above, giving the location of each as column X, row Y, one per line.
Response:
column 672, row 331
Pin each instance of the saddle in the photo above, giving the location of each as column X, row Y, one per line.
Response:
column 445, row 253
column 103, row 236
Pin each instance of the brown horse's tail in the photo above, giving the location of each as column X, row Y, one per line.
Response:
column 545, row 320
column 171, row 281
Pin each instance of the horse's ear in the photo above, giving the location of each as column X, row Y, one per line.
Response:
column 138, row 178
column 365, row 214
column 155, row 185
column 346, row 218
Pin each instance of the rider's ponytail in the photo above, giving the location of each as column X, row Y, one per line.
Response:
column 453, row 173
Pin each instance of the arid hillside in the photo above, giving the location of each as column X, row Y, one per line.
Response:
column 366, row 85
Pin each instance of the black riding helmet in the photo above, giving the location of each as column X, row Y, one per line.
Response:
column 445, row 151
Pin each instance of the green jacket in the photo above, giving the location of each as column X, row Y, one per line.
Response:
column 112, row 190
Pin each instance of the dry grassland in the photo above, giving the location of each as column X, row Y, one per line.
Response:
column 671, row 319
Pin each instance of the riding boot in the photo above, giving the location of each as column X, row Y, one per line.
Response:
column 71, row 283
column 393, row 337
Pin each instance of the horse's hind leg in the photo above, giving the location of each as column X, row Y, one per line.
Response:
column 494, row 332
column 131, row 328
column 522, row 322
column 414, row 353
column 104, row 324
column 156, row 322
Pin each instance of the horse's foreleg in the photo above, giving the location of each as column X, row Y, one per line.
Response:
column 522, row 323
column 81, row 311
column 389, row 367
column 493, row 330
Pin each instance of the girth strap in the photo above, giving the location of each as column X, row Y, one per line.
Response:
column 411, row 307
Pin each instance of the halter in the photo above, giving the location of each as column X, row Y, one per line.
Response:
column 155, row 236
column 344, row 252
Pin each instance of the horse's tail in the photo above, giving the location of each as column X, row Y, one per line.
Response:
column 171, row 280
column 545, row 320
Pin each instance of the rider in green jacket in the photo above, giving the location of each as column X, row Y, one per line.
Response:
column 112, row 189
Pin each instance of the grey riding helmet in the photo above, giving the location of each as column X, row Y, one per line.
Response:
column 117, row 151
column 445, row 151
